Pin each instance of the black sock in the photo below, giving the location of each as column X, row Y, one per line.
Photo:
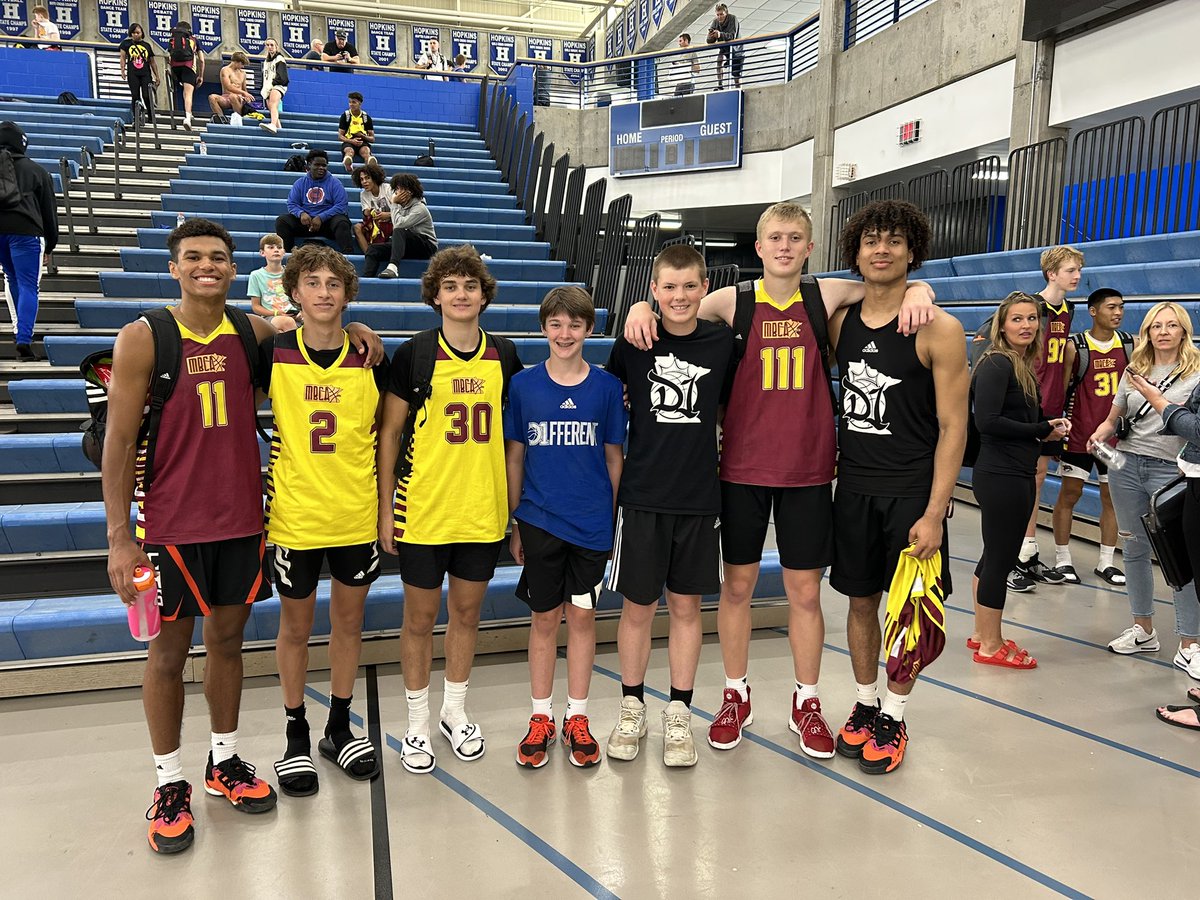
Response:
column 297, row 733
column 684, row 697
column 634, row 690
column 337, row 729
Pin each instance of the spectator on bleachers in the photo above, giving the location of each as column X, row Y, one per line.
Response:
column 44, row 29
column 27, row 230
column 433, row 61
column 413, row 235
column 687, row 67
column 274, row 83
column 138, row 70
column 317, row 46
column 460, row 63
column 317, row 207
column 1165, row 356
column 375, row 229
column 187, row 65
column 234, row 96
column 342, row 51
column 356, row 131
column 265, row 289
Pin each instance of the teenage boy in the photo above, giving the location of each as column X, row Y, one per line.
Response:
column 233, row 96
column 268, row 297
column 564, row 427
column 445, row 508
column 326, row 402
column 778, row 450
column 668, row 525
column 1093, row 364
column 356, row 131
column 317, row 206
column 187, row 65
column 44, row 29
column 901, row 435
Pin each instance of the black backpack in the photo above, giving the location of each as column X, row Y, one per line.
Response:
column 168, row 356
column 10, row 191
column 67, row 98
column 420, row 379
column 426, row 159
column 182, row 49
column 295, row 163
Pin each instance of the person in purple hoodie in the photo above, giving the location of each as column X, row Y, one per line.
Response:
column 317, row 207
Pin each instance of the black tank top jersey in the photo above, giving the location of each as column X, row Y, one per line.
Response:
column 888, row 427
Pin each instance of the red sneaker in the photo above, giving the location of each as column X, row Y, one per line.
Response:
column 531, row 752
column 857, row 730
column 170, row 818
column 725, row 732
column 884, row 752
column 582, row 749
column 815, row 737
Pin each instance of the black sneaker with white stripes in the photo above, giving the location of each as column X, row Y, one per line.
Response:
column 1018, row 583
column 1037, row 570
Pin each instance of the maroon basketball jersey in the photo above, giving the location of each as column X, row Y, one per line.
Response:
column 779, row 429
column 1050, row 368
column 1093, row 396
column 207, row 484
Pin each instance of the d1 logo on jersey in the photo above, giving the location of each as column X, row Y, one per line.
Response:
column 864, row 401
column 675, row 389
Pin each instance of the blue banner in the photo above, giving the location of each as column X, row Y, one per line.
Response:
column 574, row 52
column 619, row 37
column 206, row 26
column 671, row 4
column 540, row 48
column 335, row 24
column 591, row 55
column 252, row 29
column 608, row 44
column 14, row 16
column 656, row 11
column 114, row 20
column 503, row 52
column 465, row 43
column 644, row 18
column 65, row 14
column 382, row 37
column 422, row 36
column 161, row 17
column 296, row 33
column 630, row 27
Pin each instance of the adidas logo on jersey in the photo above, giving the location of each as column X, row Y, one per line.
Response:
column 870, row 348
column 166, row 375
column 567, row 404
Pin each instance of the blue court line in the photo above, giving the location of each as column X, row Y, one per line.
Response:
column 490, row 809
column 916, row 815
column 1082, row 584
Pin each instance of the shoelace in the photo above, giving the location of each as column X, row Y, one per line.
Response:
column 862, row 716
column 539, row 732
column 677, row 727
column 171, row 802
column 235, row 771
column 575, row 731
column 887, row 731
column 728, row 714
column 629, row 721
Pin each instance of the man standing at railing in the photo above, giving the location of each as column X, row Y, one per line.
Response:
column 687, row 67
column 433, row 60
column 342, row 51
column 722, row 29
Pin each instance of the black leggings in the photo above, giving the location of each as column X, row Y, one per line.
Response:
column 141, row 87
column 336, row 228
column 1005, row 502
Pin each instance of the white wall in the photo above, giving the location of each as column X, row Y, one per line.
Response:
column 1147, row 55
column 960, row 116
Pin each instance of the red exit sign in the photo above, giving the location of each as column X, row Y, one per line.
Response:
column 910, row 132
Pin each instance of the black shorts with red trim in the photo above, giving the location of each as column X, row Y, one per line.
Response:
column 195, row 578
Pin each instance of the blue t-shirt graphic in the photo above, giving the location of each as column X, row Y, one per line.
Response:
column 566, row 490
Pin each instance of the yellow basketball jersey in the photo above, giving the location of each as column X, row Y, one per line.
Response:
column 458, row 490
column 321, row 488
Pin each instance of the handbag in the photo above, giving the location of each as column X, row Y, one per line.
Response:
column 1164, row 528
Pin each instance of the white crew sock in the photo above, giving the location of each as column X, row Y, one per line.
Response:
column 543, row 707
column 454, row 703
column 1029, row 549
column 1062, row 556
column 893, row 705
column 868, row 694
column 805, row 692
column 169, row 766
column 576, row 707
column 418, row 711
column 224, row 746
column 740, row 685
column 1106, row 557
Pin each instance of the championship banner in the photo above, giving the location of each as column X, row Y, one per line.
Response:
column 630, row 27
column 591, row 56
column 619, row 37
column 671, row 4
column 608, row 45
column 162, row 16
column 422, row 37
column 14, row 16
column 206, row 26
column 252, row 29
column 644, row 18
column 382, row 38
column 114, row 20
column 297, row 33
column 503, row 52
column 340, row 23
column 65, row 14
column 465, row 43
column 540, row 48
column 656, row 12
column 574, row 52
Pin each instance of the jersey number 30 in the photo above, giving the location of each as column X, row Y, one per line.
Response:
column 469, row 423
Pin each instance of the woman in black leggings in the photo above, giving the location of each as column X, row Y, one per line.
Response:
column 138, row 69
column 1007, row 411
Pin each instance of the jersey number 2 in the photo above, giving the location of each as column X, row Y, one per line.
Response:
column 324, row 427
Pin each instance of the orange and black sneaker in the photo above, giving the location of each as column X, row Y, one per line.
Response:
column 170, row 817
column 532, row 751
column 582, row 749
column 857, row 730
column 235, row 780
column 884, row 752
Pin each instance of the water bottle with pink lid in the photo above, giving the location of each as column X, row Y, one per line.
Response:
column 145, row 620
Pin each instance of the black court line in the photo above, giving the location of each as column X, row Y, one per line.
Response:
column 381, row 848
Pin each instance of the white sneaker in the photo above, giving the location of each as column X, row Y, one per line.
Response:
column 679, row 748
column 187, row 122
column 1135, row 640
column 267, row 126
column 631, row 728
column 390, row 271
column 1188, row 659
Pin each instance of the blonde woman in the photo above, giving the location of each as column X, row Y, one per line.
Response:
column 1008, row 415
column 1168, row 360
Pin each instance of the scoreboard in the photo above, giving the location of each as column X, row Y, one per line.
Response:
column 685, row 133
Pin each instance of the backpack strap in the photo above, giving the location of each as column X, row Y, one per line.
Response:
column 743, row 316
column 168, row 354
column 1082, row 356
column 818, row 321
column 1128, row 341
column 420, row 385
column 245, row 329
column 509, row 362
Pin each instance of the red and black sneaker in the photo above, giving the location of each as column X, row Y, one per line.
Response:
column 170, row 817
column 725, row 732
column 234, row 779
column 857, row 730
column 532, row 751
column 582, row 749
column 884, row 752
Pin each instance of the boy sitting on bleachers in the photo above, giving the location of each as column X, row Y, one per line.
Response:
column 317, row 207
column 267, row 295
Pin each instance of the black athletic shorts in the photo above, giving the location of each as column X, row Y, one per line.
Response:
column 184, row 75
column 351, row 148
column 297, row 571
column 426, row 565
column 193, row 578
column 653, row 549
column 803, row 524
column 557, row 571
column 1080, row 465
column 869, row 535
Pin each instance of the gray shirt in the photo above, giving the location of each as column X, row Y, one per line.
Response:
column 415, row 217
column 1147, row 438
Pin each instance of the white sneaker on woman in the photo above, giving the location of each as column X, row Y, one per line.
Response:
column 1135, row 640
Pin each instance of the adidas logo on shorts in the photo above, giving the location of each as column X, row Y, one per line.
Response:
column 361, row 574
column 567, row 404
column 870, row 348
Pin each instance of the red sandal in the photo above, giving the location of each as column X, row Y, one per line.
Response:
column 1010, row 656
column 973, row 644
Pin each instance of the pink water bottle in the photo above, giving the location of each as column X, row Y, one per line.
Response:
column 145, row 621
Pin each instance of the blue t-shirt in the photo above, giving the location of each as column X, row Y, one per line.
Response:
column 566, row 489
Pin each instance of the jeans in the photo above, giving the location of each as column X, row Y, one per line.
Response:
column 1131, row 489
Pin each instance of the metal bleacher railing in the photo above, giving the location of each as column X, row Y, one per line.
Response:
column 864, row 18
